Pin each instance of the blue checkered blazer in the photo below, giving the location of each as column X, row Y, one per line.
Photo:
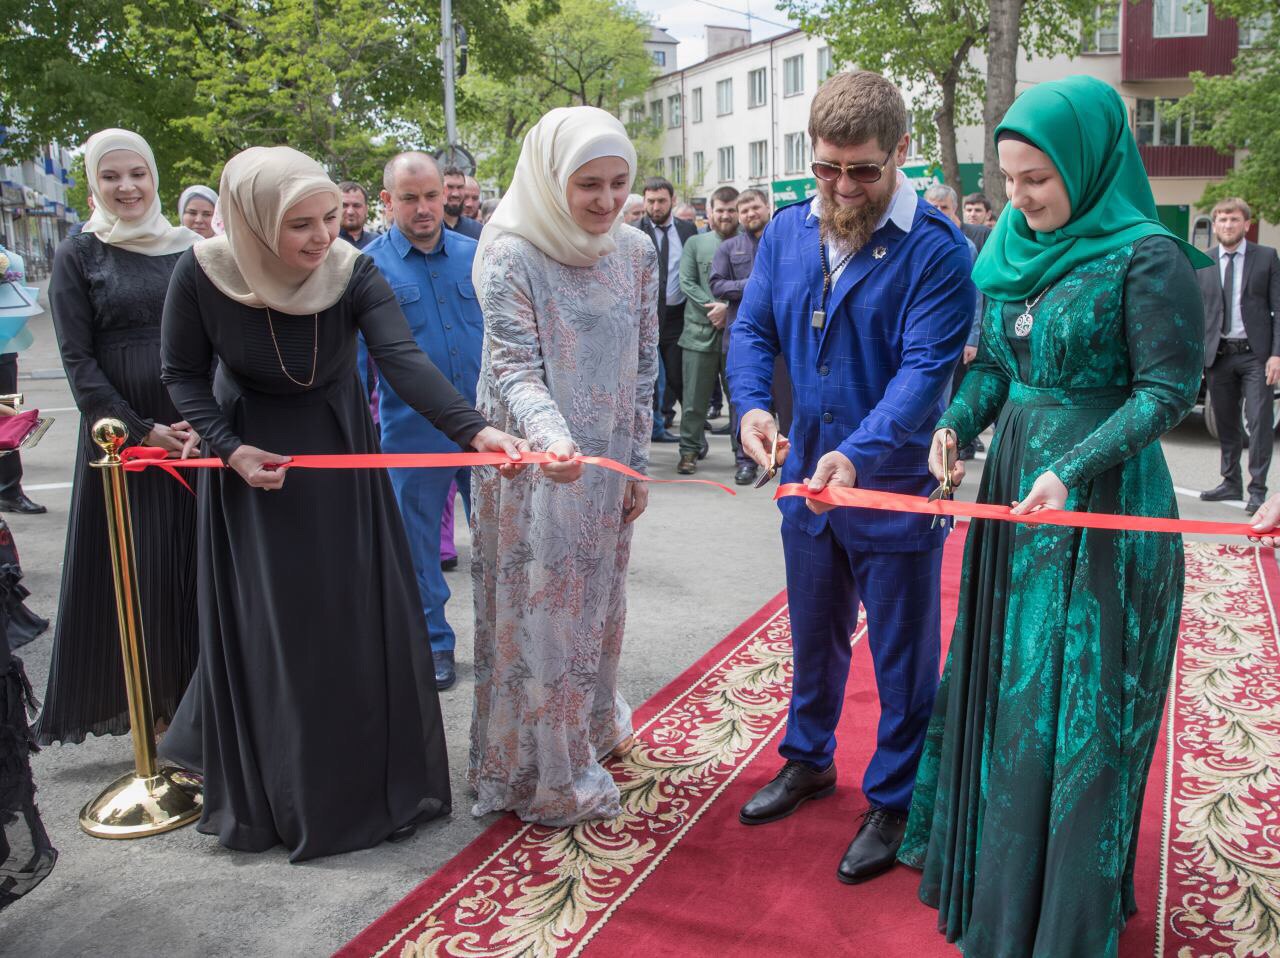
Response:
column 874, row 381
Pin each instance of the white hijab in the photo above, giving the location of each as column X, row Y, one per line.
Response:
column 536, row 206
column 259, row 185
column 152, row 235
column 198, row 191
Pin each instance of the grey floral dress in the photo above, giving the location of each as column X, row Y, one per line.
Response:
column 569, row 353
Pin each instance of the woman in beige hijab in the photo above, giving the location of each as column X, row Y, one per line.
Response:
column 569, row 295
column 107, row 292
column 313, row 716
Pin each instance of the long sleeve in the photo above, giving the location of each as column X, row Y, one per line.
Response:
column 647, row 370
column 723, row 286
column 690, row 284
column 933, row 335
column 73, row 321
column 985, row 386
column 753, row 337
column 186, row 362
column 1163, row 321
column 403, row 364
column 515, row 353
column 1273, row 300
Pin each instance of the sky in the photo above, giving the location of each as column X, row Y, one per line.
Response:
column 685, row 20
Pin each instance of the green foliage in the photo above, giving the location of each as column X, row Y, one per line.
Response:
column 590, row 52
column 1239, row 111
column 78, row 195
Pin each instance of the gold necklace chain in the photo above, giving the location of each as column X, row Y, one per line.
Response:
column 315, row 351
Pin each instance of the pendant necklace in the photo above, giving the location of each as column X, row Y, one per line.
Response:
column 1022, row 325
column 819, row 318
column 315, row 351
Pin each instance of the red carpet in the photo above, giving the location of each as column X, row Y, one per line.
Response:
column 677, row 873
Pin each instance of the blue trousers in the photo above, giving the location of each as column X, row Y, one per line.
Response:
column 421, row 494
column 901, row 592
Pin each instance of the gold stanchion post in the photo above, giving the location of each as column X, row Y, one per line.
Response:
column 150, row 799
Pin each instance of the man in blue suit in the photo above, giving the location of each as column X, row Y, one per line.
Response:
column 865, row 291
column 429, row 270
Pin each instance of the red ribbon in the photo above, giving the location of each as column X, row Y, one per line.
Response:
column 895, row 502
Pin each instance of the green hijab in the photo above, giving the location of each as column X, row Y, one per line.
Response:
column 1082, row 124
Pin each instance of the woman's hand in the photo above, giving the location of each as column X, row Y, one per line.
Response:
column 635, row 499
column 192, row 442
column 563, row 470
column 1047, row 492
column 169, row 438
column 258, row 468
column 1265, row 520
column 948, row 437
column 490, row 439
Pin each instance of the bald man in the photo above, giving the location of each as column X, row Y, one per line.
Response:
column 429, row 269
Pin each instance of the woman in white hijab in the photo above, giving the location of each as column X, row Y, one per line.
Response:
column 569, row 295
column 196, row 207
column 313, row 716
column 107, row 293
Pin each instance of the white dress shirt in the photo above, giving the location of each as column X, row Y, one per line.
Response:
column 675, row 247
column 1237, row 330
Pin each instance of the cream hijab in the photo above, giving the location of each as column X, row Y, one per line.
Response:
column 152, row 235
column 258, row 187
column 536, row 206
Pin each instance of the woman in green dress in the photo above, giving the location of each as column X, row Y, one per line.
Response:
column 1024, row 817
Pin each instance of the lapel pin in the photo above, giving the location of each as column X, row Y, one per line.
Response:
column 879, row 252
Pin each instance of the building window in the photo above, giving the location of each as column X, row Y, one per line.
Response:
column 1180, row 18
column 913, row 144
column 793, row 75
column 1153, row 126
column 725, row 157
column 695, row 106
column 657, row 165
column 1105, row 35
column 637, row 115
column 795, row 152
column 673, row 110
column 676, row 165
column 824, row 65
column 759, row 160
column 699, row 167
column 660, row 57
column 655, row 112
column 757, row 88
column 724, row 97
column 1254, row 32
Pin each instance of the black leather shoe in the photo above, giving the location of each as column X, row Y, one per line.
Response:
column 1219, row 493
column 967, row 452
column 448, row 565
column 715, row 412
column 1255, row 503
column 665, row 436
column 745, row 475
column 20, row 503
column 446, row 674
column 403, row 833
column 790, row 788
column 722, row 430
column 874, row 849
column 688, row 465
column 978, row 446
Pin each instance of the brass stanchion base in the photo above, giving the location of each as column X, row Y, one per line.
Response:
column 134, row 807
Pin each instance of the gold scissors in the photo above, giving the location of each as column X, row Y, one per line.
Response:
column 764, row 477
column 945, row 488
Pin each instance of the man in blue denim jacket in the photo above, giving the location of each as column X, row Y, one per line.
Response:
column 429, row 269
column 865, row 291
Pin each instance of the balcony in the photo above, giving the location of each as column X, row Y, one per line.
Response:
column 1184, row 161
column 1147, row 57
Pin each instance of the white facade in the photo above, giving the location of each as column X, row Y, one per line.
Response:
column 33, row 212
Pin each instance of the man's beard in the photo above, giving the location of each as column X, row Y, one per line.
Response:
column 453, row 209
column 848, row 228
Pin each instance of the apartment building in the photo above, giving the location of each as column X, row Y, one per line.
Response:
column 740, row 116
column 33, row 213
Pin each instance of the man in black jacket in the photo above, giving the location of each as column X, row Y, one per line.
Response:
column 669, row 236
column 1241, row 294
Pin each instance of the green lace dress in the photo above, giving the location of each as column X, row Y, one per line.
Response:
column 1024, row 818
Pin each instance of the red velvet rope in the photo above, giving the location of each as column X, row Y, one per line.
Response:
column 136, row 458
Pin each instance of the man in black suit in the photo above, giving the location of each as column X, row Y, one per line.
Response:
column 669, row 236
column 1241, row 348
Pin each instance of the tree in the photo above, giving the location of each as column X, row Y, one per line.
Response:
column 929, row 46
column 1237, row 111
column 589, row 53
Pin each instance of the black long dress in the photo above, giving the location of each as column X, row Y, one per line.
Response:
column 107, row 304
column 313, row 715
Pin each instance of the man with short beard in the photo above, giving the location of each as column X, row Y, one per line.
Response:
column 455, row 201
column 355, row 214
column 865, row 290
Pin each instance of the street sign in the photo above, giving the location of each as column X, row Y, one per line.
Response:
column 457, row 156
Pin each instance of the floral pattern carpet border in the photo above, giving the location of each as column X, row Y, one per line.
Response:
column 536, row 892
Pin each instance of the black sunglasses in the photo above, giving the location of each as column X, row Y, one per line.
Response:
column 858, row 172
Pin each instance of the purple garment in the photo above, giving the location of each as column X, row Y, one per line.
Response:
column 447, row 549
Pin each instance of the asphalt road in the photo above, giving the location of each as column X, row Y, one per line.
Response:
column 702, row 562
